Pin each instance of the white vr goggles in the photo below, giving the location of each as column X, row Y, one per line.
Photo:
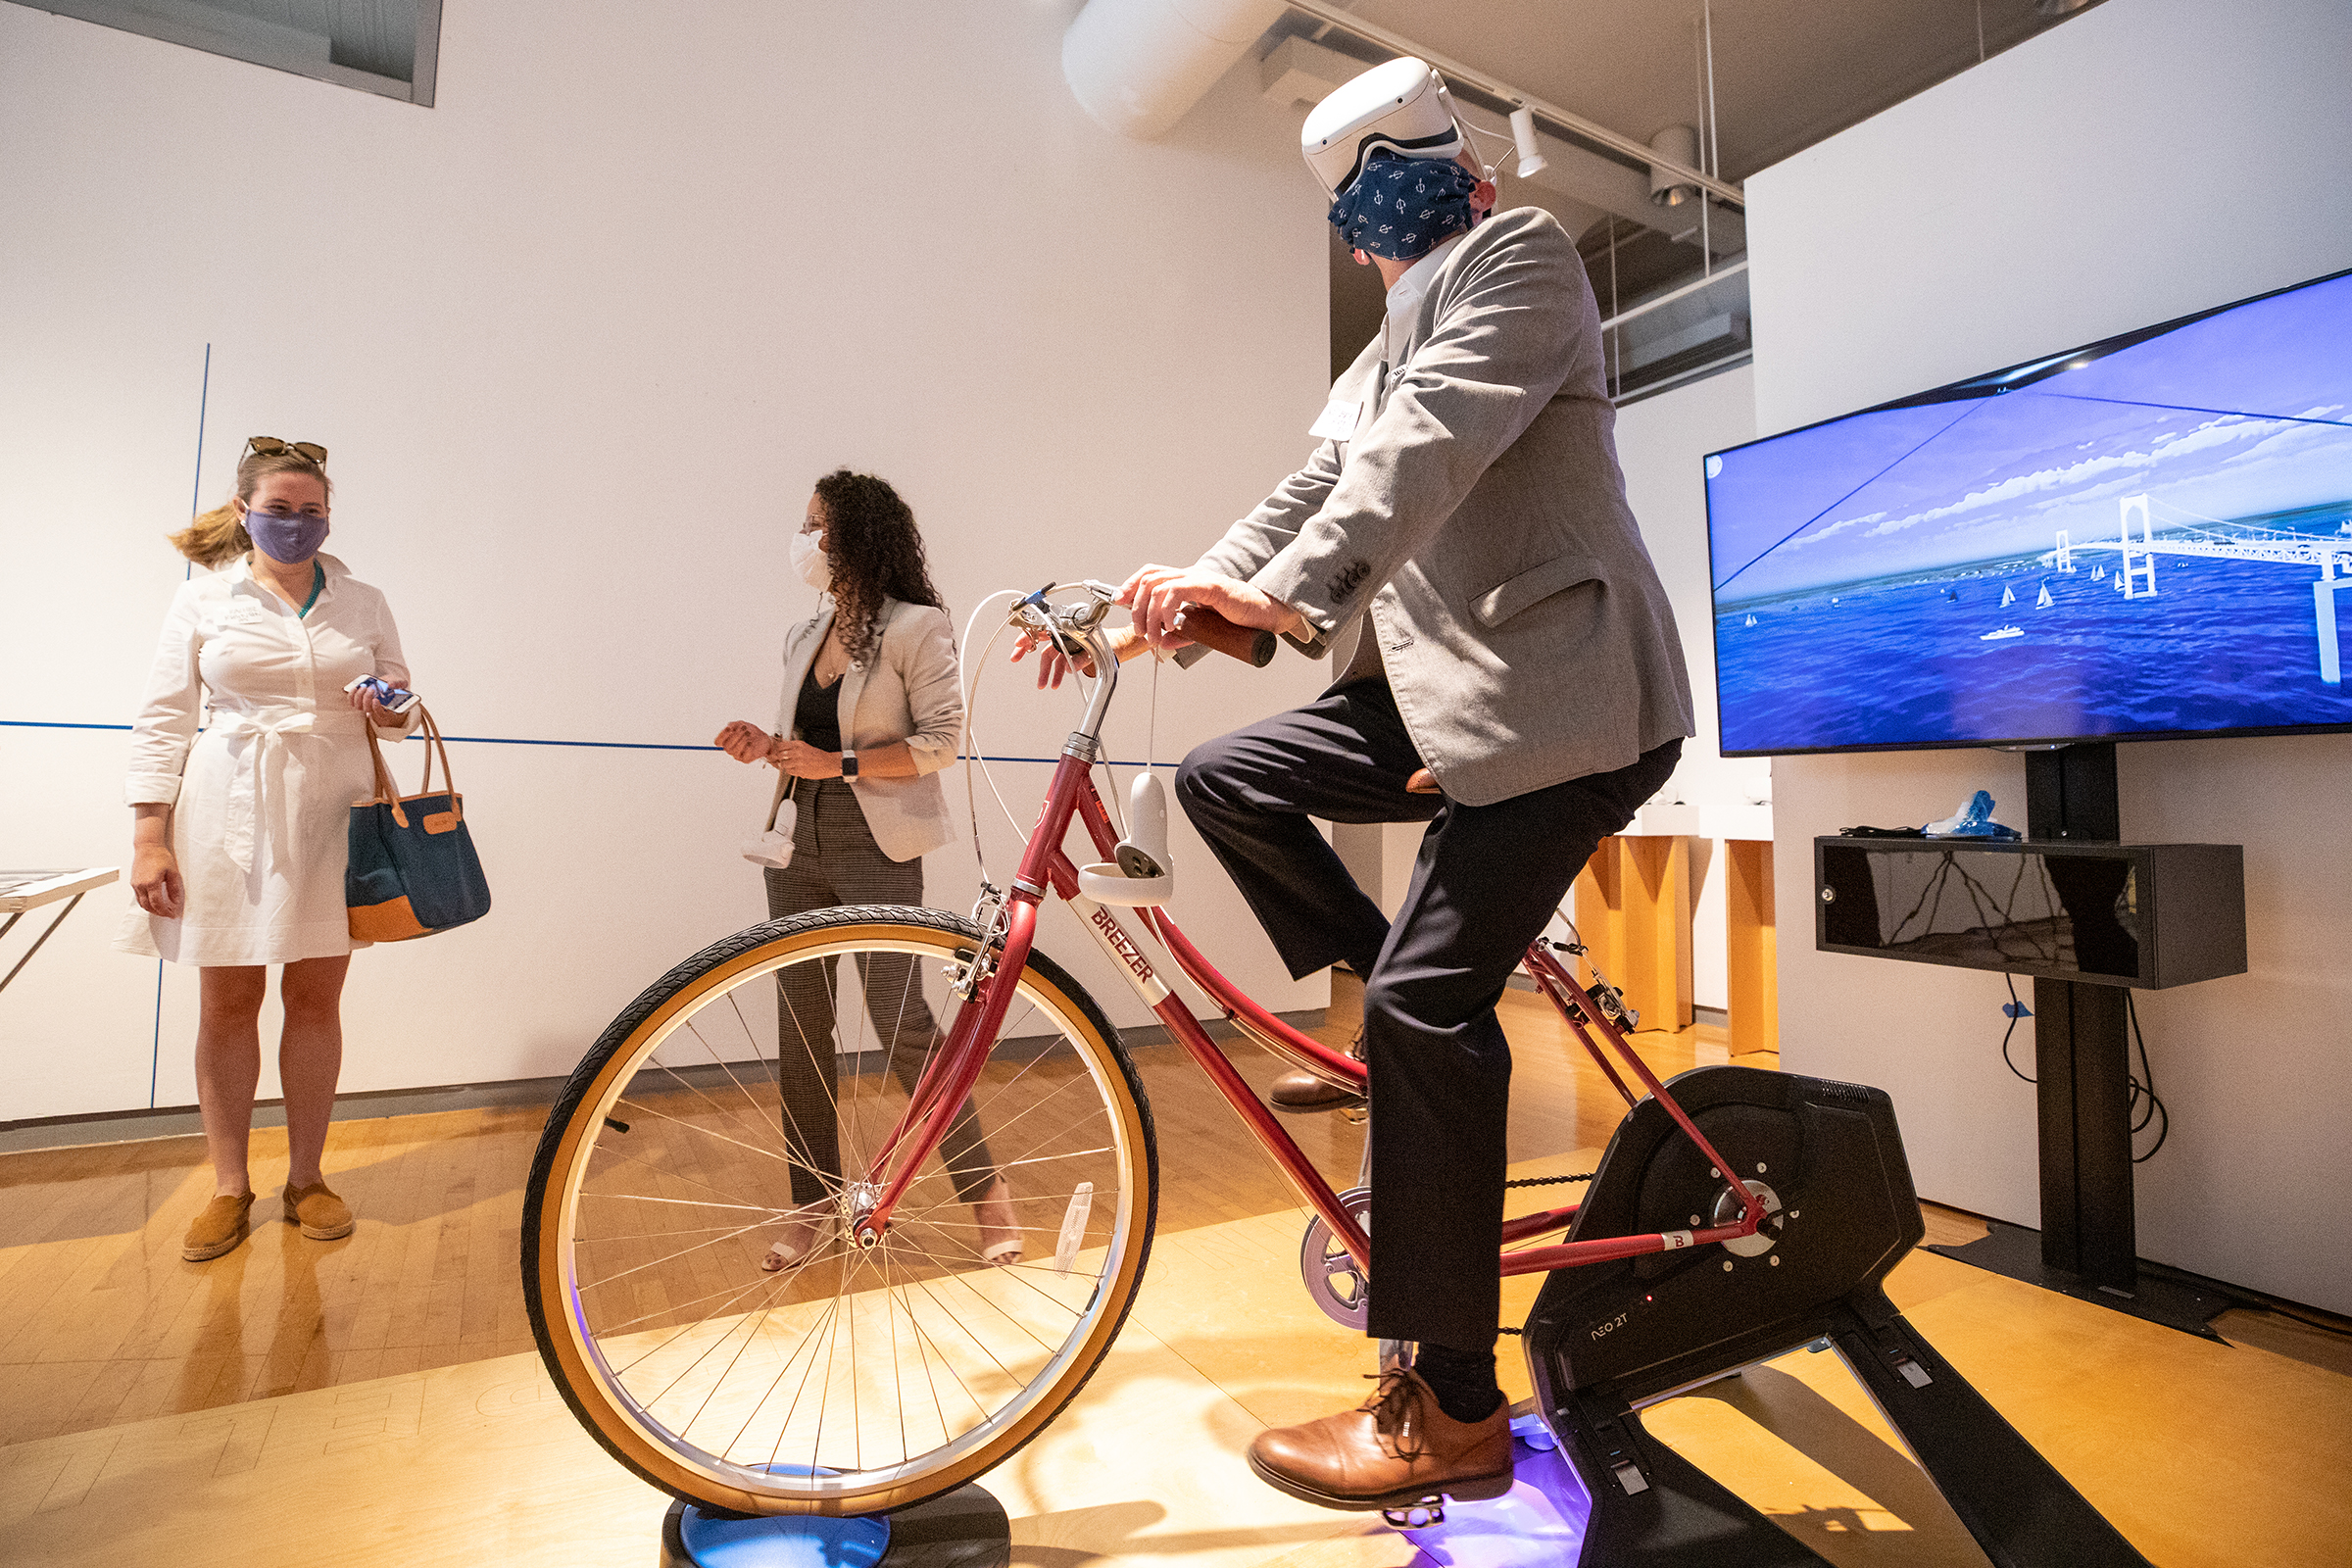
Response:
column 1402, row 106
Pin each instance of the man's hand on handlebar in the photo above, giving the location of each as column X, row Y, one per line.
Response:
column 1155, row 595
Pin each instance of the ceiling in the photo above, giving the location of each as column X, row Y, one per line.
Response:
column 1786, row 74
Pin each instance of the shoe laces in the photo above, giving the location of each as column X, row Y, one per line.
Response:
column 1395, row 1401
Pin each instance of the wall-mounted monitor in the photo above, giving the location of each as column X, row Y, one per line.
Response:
column 2150, row 536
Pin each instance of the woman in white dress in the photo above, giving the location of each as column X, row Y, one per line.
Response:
column 240, row 834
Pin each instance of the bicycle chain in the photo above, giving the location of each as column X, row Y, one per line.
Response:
column 1545, row 1181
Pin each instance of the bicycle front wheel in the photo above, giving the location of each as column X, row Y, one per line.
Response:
column 739, row 1102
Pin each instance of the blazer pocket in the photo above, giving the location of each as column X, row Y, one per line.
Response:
column 1515, row 594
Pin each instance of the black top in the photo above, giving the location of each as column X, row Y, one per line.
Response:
column 817, row 714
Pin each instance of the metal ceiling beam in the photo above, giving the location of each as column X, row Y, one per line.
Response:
column 1573, row 125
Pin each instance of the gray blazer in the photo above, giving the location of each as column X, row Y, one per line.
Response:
column 909, row 691
column 1477, row 519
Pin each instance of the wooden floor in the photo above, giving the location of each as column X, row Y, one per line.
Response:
column 395, row 1364
column 102, row 1323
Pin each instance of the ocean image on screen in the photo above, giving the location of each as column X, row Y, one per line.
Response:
column 2150, row 536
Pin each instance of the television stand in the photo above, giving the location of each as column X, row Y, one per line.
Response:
column 2186, row 1302
column 2116, row 916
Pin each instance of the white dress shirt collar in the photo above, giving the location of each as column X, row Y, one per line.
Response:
column 1407, row 293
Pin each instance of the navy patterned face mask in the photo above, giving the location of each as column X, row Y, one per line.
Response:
column 1402, row 206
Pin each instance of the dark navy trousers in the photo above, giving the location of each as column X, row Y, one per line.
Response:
column 1486, row 881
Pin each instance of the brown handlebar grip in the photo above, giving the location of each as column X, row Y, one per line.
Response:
column 1250, row 645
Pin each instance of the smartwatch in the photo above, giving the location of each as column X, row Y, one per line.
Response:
column 848, row 764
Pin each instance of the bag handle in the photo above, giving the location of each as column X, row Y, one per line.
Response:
column 388, row 794
column 775, row 807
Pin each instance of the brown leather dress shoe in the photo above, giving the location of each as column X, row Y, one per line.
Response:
column 1302, row 1093
column 1394, row 1450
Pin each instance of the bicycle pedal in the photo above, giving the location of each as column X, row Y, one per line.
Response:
column 1432, row 1512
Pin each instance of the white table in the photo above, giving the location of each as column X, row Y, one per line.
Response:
column 20, row 891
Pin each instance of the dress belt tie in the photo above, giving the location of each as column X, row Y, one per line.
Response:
column 261, row 735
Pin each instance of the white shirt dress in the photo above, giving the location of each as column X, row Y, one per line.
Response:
column 263, row 795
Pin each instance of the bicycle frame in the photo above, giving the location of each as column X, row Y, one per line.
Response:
column 1045, row 867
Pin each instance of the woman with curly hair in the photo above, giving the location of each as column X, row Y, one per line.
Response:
column 872, row 708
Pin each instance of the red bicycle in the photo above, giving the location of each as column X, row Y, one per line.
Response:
column 895, row 1364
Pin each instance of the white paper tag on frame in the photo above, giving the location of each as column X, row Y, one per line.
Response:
column 1337, row 422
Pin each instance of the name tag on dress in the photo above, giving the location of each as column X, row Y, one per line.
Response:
column 1337, row 422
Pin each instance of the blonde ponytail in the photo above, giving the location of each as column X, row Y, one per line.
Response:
column 217, row 537
column 213, row 539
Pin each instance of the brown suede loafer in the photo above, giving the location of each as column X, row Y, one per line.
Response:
column 217, row 1227
column 1394, row 1450
column 322, row 1217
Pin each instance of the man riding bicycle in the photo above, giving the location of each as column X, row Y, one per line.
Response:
column 1517, row 683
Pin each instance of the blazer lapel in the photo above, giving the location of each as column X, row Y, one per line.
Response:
column 852, row 683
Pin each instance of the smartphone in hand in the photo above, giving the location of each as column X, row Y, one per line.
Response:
column 398, row 698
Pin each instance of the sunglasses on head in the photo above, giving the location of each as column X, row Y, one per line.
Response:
column 270, row 446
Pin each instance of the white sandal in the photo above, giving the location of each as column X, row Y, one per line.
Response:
column 1000, row 1244
column 805, row 1232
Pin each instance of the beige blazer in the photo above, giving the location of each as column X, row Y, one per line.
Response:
column 910, row 690
column 1476, row 520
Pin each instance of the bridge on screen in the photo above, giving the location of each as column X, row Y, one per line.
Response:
column 2135, row 577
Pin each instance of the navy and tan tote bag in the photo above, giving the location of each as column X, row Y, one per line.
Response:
column 412, row 866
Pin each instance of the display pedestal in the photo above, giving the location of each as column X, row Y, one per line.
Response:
column 1633, row 912
column 1750, row 947
column 965, row 1529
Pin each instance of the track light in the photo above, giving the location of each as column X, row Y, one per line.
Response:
column 1523, row 131
column 1681, row 144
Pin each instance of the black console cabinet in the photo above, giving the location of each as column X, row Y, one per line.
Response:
column 2089, row 919
column 2146, row 915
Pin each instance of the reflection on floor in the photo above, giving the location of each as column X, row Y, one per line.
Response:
column 364, row 1402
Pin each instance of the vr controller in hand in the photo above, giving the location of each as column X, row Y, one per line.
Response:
column 396, row 698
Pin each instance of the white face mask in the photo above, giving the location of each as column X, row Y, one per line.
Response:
column 808, row 560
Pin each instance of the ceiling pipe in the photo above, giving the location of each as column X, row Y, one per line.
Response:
column 1139, row 66
column 1575, row 124
column 1592, row 182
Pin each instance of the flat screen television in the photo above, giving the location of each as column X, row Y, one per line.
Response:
column 2145, row 537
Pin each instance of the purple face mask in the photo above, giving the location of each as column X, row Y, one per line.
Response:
column 286, row 537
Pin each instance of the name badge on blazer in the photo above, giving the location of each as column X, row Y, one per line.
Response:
column 1337, row 422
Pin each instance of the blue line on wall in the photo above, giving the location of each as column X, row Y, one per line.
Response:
column 38, row 724
column 621, row 746
column 155, row 1062
column 204, row 400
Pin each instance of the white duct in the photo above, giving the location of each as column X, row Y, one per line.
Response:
column 1138, row 66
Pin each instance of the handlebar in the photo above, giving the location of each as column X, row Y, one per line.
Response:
column 1252, row 646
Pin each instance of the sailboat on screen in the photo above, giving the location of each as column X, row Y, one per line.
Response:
column 2008, row 596
column 2043, row 601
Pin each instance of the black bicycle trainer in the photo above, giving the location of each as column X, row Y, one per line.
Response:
column 1607, row 1339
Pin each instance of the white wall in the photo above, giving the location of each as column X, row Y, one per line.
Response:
column 2148, row 159
column 1661, row 442
column 579, row 338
